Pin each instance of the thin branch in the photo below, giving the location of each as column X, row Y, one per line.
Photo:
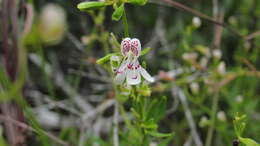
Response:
column 218, row 33
column 29, row 19
column 199, row 14
column 75, row 41
column 178, row 92
column 98, row 109
column 214, row 109
column 27, row 127
column 252, row 35
column 115, row 122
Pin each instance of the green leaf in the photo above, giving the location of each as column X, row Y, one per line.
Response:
column 159, row 135
column 118, row 13
column 138, row 2
column 239, row 124
column 248, row 142
column 150, row 124
column 156, row 109
column 105, row 59
column 145, row 51
column 84, row 6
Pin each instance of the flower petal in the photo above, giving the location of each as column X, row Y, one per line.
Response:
column 133, row 77
column 136, row 47
column 123, row 65
column 146, row 75
column 120, row 78
column 125, row 46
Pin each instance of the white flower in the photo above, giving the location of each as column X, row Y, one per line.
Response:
column 130, row 68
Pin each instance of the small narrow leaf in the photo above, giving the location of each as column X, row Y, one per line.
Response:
column 159, row 135
column 118, row 13
column 248, row 142
column 84, row 6
column 138, row 2
column 106, row 58
column 145, row 51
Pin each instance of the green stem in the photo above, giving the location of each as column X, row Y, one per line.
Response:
column 126, row 33
column 213, row 119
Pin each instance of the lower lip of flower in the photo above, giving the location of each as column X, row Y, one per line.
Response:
column 135, row 77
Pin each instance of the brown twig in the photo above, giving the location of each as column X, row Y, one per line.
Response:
column 252, row 35
column 27, row 127
column 218, row 32
column 206, row 17
column 29, row 19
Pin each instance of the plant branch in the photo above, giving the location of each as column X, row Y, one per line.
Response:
column 179, row 93
column 213, row 119
column 206, row 17
column 115, row 124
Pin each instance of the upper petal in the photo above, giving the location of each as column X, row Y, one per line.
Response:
column 125, row 46
column 136, row 46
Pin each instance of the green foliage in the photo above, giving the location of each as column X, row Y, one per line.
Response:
column 85, row 6
column 138, row 2
column 239, row 125
column 117, row 14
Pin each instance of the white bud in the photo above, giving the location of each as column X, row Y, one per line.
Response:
column 52, row 24
column 239, row 99
column 217, row 53
column 221, row 68
column 204, row 121
column 196, row 22
column 153, row 144
column 194, row 87
column 247, row 45
column 204, row 62
column 221, row 115
column 232, row 20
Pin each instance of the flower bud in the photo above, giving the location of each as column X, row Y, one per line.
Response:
column 232, row 20
column 194, row 86
column 196, row 22
column 204, row 121
column 221, row 68
column 239, row 99
column 204, row 62
column 153, row 144
column 217, row 53
column 52, row 25
column 221, row 116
